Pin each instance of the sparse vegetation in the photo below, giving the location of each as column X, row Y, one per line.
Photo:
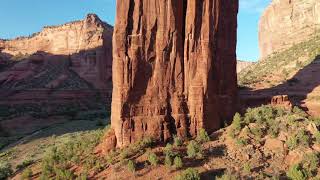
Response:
column 202, row 136
column 228, row 176
column 301, row 138
column 194, row 150
column 236, row 123
column 24, row 164
column 256, row 125
column 5, row 170
column 317, row 137
column 153, row 159
column 26, row 174
column 287, row 62
column 168, row 161
column 295, row 172
column 310, row 164
column 58, row 159
column 177, row 141
column 178, row 162
column 169, row 150
column 131, row 166
column 189, row 174
column 241, row 142
column 247, row 168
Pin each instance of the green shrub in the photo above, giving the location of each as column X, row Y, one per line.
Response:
column 317, row 137
column 5, row 170
column 273, row 130
column 257, row 132
column 303, row 138
column 189, row 174
column 168, row 150
column 146, row 142
column 231, row 133
column 203, row 136
column 310, row 163
column 44, row 175
column 292, row 142
column 64, row 174
column 300, row 139
column 236, row 123
column 241, row 142
column 110, row 158
column 295, row 172
column 153, row 159
column 124, row 154
column 315, row 120
column 293, row 119
column 178, row 162
column 247, row 168
column 24, row 164
column 26, row 174
column 227, row 176
column 194, row 150
column 131, row 166
column 177, row 141
column 168, row 161
column 83, row 176
column 300, row 112
column 98, row 165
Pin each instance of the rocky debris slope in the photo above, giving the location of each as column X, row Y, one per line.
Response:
column 174, row 68
column 264, row 143
column 287, row 22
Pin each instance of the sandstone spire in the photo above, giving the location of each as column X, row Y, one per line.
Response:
column 174, row 68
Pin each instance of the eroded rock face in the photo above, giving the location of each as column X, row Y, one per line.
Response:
column 174, row 68
column 82, row 47
column 63, row 72
column 287, row 22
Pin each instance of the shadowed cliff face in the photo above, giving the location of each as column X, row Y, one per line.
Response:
column 287, row 22
column 174, row 68
column 63, row 71
column 83, row 46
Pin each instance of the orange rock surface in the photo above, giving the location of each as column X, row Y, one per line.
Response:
column 174, row 68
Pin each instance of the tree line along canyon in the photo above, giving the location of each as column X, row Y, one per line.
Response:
column 161, row 95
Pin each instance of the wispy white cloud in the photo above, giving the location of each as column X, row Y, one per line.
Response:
column 253, row 6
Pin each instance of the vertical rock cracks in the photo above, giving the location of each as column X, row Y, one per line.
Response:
column 174, row 68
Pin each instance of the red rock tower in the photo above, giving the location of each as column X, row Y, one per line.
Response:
column 174, row 68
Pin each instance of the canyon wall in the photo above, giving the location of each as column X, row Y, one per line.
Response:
column 61, row 73
column 287, row 22
column 82, row 47
column 174, row 68
column 66, row 39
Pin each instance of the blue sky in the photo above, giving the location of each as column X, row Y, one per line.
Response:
column 24, row 17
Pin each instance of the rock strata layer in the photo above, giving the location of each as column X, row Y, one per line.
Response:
column 174, row 68
column 73, row 56
column 287, row 22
